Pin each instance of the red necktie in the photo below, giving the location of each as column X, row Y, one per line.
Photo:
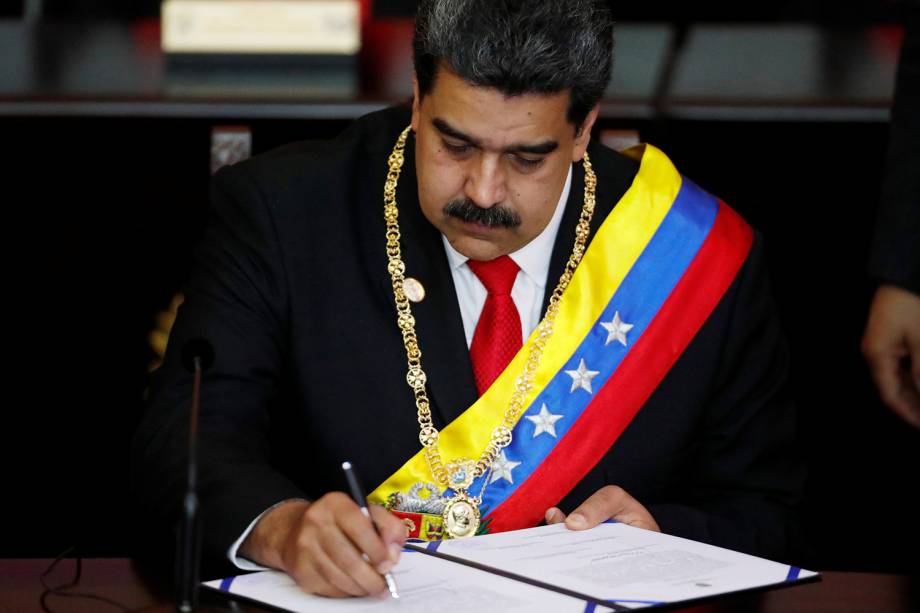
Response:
column 498, row 334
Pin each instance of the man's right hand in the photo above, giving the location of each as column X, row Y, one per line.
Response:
column 322, row 545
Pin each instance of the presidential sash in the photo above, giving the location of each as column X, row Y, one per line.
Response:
column 654, row 271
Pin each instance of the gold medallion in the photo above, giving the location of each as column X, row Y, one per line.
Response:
column 461, row 517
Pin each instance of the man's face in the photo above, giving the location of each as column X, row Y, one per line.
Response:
column 491, row 168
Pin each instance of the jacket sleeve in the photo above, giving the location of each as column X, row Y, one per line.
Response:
column 745, row 477
column 895, row 256
column 236, row 299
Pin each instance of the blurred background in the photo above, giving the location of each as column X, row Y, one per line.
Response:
column 780, row 108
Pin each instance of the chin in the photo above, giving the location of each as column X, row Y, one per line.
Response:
column 478, row 249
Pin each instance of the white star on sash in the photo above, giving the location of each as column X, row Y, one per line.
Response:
column 502, row 467
column 616, row 329
column 544, row 421
column 581, row 378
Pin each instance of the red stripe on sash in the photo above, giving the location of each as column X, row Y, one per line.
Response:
column 693, row 299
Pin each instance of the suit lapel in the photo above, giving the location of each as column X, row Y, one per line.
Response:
column 445, row 356
column 565, row 237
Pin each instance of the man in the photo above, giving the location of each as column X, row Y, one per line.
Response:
column 891, row 342
column 369, row 299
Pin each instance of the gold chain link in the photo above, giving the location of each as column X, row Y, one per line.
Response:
column 415, row 376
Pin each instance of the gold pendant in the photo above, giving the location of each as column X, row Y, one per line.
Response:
column 461, row 516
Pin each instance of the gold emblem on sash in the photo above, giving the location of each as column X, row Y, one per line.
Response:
column 460, row 473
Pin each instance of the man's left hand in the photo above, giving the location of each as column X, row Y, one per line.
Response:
column 609, row 502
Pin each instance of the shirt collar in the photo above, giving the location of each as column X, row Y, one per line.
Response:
column 533, row 258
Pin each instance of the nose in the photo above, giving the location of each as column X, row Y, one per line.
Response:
column 485, row 185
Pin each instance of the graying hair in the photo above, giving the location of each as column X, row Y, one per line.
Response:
column 518, row 47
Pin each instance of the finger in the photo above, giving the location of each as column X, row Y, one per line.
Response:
column 341, row 565
column 607, row 502
column 912, row 412
column 884, row 369
column 909, row 399
column 554, row 516
column 360, row 530
column 306, row 561
column 330, row 591
column 392, row 531
column 349, row 560
column 913, row 350
column 308, row 578
column 341, row 510
column 301, row 563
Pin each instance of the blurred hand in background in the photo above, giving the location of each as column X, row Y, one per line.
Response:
column 891, row 345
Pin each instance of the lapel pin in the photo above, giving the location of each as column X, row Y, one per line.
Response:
column 414, row 290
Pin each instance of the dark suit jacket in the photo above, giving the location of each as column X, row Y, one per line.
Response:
column 290, row 284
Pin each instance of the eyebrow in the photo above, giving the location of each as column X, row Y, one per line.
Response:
column 538, row 149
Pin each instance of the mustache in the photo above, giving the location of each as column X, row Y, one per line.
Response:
column 497, row 216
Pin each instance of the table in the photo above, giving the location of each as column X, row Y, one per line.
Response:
column 124, row 581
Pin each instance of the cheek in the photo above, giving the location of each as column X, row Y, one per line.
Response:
column 439, row 176
column 437, row 185
column 532, row 202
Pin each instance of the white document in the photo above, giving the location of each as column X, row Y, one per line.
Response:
column 425, row 584
column 613, row 563
column 623, row 565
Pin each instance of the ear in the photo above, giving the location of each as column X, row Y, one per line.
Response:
column 584, row 134
column 416, row 102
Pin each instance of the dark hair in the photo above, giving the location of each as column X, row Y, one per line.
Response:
column 518, row 47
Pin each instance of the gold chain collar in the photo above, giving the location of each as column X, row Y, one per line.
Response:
column 462, row 470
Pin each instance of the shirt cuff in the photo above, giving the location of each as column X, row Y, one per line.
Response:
column 244, row 563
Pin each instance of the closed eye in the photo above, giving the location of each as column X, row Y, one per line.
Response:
column 527, row 162
column 457, row 149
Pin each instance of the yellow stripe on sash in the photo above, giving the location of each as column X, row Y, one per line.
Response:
column 614, row 249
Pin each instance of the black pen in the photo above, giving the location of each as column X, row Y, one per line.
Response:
column 357, row 492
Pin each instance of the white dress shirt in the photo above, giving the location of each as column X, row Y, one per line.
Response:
column 527, row 293
column 529, row 285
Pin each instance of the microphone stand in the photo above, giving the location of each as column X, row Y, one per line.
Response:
column 189, row 551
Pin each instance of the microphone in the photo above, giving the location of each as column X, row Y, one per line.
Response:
column 197, row 356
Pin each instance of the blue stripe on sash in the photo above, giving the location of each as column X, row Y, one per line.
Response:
column 639, row 297
column 225, row 584
column 793, row 573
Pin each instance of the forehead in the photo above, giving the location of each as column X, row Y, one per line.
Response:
column 493, row 117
